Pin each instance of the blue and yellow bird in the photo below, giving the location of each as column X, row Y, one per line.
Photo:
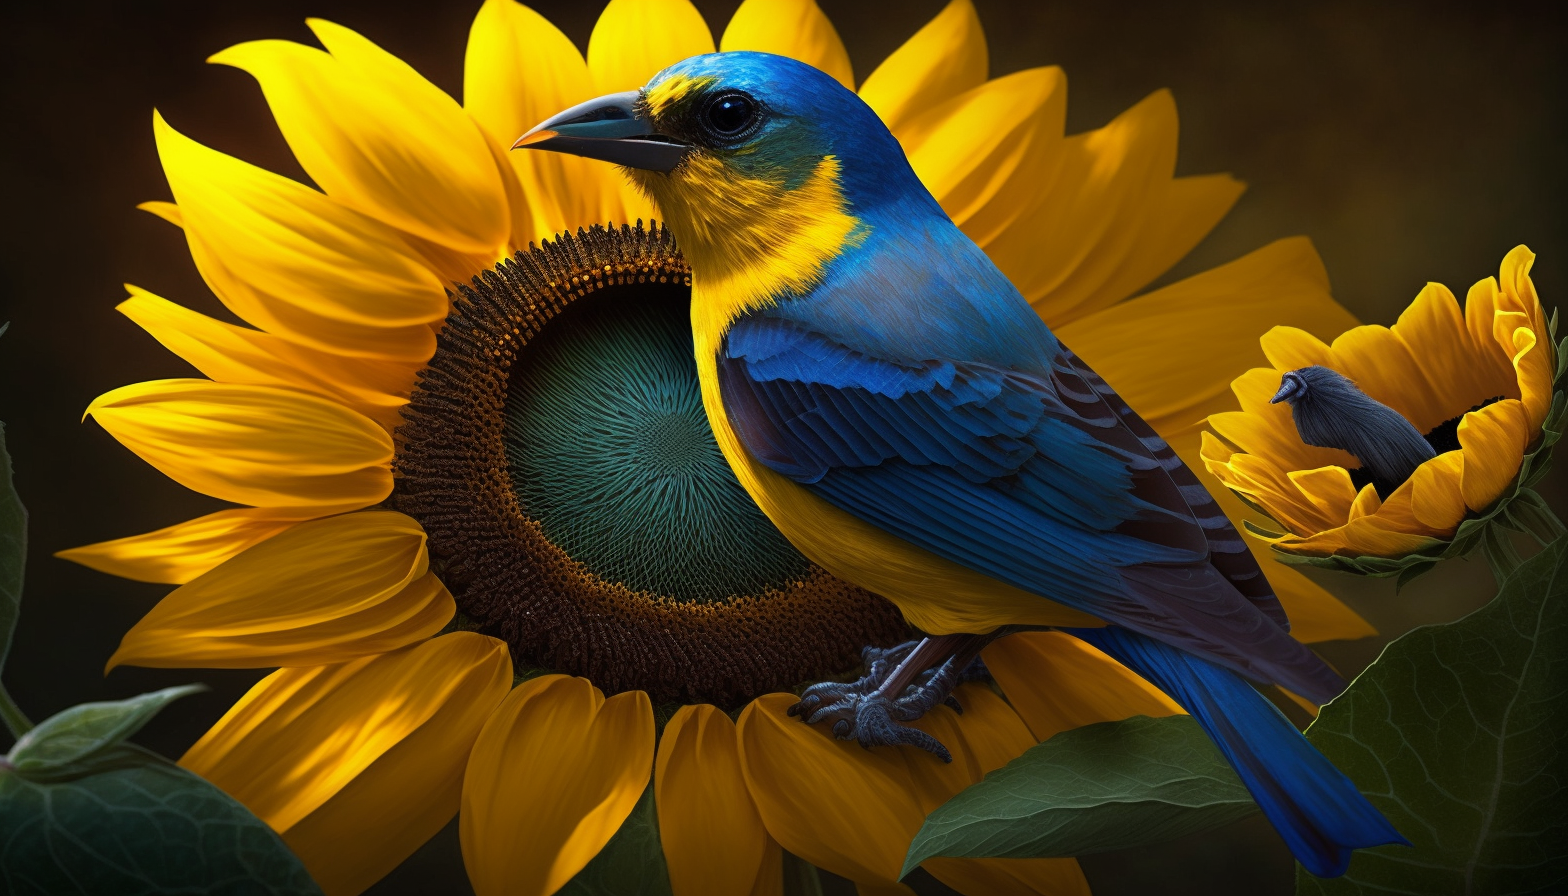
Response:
column 898, row 410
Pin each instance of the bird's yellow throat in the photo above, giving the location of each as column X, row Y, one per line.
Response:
column 750, row 241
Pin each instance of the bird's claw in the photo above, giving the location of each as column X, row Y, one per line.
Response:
column 876, row 728
column 857, row 711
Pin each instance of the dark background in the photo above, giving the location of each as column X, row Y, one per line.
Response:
column 1411, row 141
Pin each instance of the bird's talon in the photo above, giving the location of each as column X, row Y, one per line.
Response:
column 859, row 710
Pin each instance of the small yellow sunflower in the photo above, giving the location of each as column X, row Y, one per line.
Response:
column 432, row 489
column 1481, row 385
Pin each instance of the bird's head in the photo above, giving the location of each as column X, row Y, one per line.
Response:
column 763, row 167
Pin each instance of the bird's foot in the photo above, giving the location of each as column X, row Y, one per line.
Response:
column 901, row 684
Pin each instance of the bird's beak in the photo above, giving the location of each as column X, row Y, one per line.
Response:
column 610, row 129
column 1290, row 386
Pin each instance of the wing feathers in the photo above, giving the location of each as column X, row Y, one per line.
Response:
column 1049, row 483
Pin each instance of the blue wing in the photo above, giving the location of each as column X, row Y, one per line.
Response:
column 1045, row 481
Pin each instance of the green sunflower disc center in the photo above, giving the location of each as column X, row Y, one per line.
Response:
column 611, row 452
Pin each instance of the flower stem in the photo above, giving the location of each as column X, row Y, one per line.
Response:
column 1530, row 512
column 15, row 719
column 1501, row 555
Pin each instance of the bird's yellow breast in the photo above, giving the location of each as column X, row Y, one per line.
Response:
column 751, row 241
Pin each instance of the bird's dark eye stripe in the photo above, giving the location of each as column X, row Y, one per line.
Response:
column 730, row 114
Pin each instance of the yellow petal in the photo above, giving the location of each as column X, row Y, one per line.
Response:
column 713, row 838
column 518, row 71
column 1072, row 240
column 168, row 211
column 1436, row 497
column 635, row 39
column 1523, row 327
column 986, row 153
column 1170, row 350
column 358, row 764
column 1494, row 440
column 555, row 772
column 1057, row 682
column 993, row 732
column 794, row 28
column 1534, row 367
column 381, row 139
column 1433, row 329
column 1386, row 369
column 1505, row 327
column 1481, row 306
column 179, row 553
column 230, row 354
column 1180, row 213
column 1288, row 348
column 1267, row 486
column 1329, row 489
column 294, row 262
column 943, row 59
column 1514, row 279
column 325, row 591
column 1375, row 527
column 1367, row 503
column 842, row 808
column 256, row 445
column 1363, row 536
column 934, row 781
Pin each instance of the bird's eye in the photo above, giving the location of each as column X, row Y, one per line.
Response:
column 730, row 115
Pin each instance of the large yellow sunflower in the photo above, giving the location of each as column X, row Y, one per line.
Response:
column 430, row 491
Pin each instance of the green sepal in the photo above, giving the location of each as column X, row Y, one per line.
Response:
column 1520, row 508
column 70, row 743
column 1098, row 788
column 139, row 826
column 1457, row 735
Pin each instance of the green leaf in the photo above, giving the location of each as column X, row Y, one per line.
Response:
column 632, row 863
column 67, row 743
column 1457, row 733
column 13, row 550
column 146, row 826
column 1093, row 789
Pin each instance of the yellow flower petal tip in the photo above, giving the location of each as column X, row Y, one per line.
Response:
column 794, row 28
column 1468, row 389
column 264, row 446
column 714, row 841
column 168, row 211
column 554, row 773
column 324, row 591
column 375, row 746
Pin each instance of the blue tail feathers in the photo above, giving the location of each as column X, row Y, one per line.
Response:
column 1318, row 812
